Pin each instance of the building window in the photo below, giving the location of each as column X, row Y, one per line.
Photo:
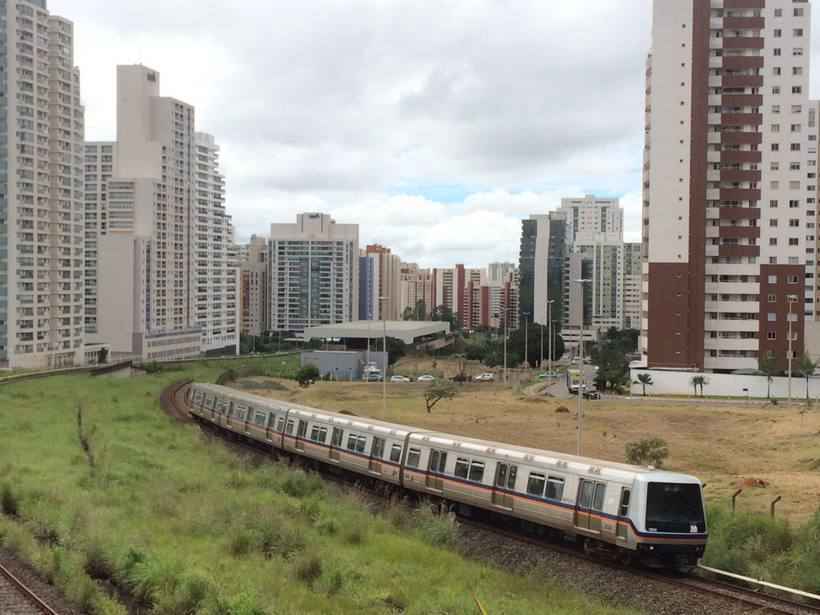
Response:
column 793, row 279
column 772, row 241
column 773, row 222
column 776, row 89
column 778, row 33
column 776, row 70
column 797, row 89
column 777, row 51
column 773, row 203
column 772, row 298
column 793, row 241
column 797, row 32
column 772, row 279
column 772, row 335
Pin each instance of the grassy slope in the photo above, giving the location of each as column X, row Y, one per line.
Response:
column 194, row 528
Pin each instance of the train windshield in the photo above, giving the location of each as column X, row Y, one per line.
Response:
column 675, row 508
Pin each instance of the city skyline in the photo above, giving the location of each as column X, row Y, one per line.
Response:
column 492, row 172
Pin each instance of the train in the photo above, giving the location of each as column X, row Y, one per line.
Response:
column 633, row 513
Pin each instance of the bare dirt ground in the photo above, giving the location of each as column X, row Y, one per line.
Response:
column 769, row 451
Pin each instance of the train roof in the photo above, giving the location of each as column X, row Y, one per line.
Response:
column 548, row 459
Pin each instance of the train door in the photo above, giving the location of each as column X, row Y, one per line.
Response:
column 229, row 409
column 269, row 425
column 583, row 503
column 301, row 432
column 622, row 532
column 376, row 455
column 505, row 475
column 336, row 443
column 438, row 461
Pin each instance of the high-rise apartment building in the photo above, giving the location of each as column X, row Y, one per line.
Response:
column 417, row 291
column 382, row 285
column 167, row 271
column 99, row 167
column 541, row 267
column 314, row 266
column 590, row 219
column 254, row 296
column 632, row 286
column 730, row 184
column 42, row 322
column 214, row 296
column 498, row 272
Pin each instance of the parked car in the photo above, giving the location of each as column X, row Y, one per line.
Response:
column 372, row 374
column 400, row 379
column 591, row 394
column 426, row 378
column 485, row 377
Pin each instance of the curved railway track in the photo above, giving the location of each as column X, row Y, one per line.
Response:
column 174, row 401
column 16, row 598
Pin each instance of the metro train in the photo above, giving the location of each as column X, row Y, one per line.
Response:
column 632, row 512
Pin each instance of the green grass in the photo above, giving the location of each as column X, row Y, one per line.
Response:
column 764, row 548
column 181, row 525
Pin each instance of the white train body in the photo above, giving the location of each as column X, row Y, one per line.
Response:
column 658, row 514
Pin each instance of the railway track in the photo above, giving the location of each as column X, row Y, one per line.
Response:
column 174, row 401
column 16, row 598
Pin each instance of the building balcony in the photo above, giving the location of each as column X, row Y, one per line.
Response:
column 731, row 251
column 742, row 42
column 742, row 62
column 736, row 157
column 732, row 325
column 744, row 23
column 739, row 194
column 734, row 175
column 739, row 232
column 741, row 119
column 729, row 5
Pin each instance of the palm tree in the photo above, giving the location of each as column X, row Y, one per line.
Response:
column 698, row 381
column 644, row 380
column 807, row 367
column 768, row 366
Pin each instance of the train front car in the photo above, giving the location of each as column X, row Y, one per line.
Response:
column 671, row 523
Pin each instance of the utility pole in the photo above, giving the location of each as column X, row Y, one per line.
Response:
column 541, row 362
column 386, row 357
column 790, row 346
column 549, row 324
column 526, row 343
column 582, row 381
column 506, row 317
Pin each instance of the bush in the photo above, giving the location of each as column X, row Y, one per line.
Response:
column 227, row 377
column 651, row 451
column 307, row 375
column 97, row 563
column 436, row 530
column 309, row 569
column 301, row 484
column 9, row 502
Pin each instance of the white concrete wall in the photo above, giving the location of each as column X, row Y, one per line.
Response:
column 723, row 385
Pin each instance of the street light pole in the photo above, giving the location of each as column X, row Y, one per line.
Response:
column 506, row 317
column 790, row 347
column 549, row 324
column 541, row 362
column 526, row 342
column 386, row 356
column 582, row 371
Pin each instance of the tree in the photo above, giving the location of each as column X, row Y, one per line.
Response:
column 444, row 314
column 806, row 367
column 518, row 342
column 407, row 314
column 307, row 374
column 395, row 350
column 698, row 382
column 102, row 355
column 651, row 451
column 437, row 392
column 645, row 380
column 768, row 365
column 421, row 310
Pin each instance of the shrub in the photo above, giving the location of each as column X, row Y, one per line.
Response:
column 241, row 542
column 280, row 540
column 309, row 569
column 226, row 377
column 307, row 374
column 356, row 535
column 436, row 530
column 301, row 484
column 98, row 564
column 650, row 451
column 9, row 502
column 186, row 598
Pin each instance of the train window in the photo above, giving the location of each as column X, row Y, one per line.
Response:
column 338, row 437
column 438, row 461
column 477, row 471
column 623, row 509
column 395, row 453
column 462, row 467
column 505, row 476
column 598, row 500
column 356, row 443
column 209, row 402
column 377, row 448
column 413, row 457
column 260, row 419
column 318, row 434
column 280, row 424
column 302, row 432
column 586, row 493
column 291, row 425
column 536, row 483
column 555, row 488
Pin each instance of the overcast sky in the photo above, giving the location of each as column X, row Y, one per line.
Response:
column 436, row 125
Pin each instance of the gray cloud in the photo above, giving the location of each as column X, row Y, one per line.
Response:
column 331, row 104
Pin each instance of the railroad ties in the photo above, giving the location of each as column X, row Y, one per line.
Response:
column 16, row 598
